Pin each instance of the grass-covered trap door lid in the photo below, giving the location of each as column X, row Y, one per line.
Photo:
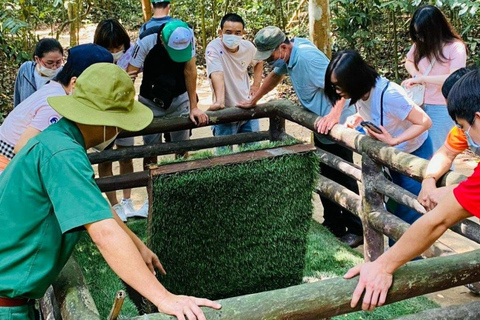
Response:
column 234, row 224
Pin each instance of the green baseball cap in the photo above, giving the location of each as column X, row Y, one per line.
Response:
column 267, row 40
column 178, row 40
column 104, row 95
column 159, row 1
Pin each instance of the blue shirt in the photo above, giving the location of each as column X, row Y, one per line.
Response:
column 307, row 67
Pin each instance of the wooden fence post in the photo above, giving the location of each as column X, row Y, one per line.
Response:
column 277, row 128
column 371, row 201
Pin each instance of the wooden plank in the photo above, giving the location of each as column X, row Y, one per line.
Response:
column 231, row 159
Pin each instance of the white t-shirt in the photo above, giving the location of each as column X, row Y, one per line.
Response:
column 33, row 111
column 396, row 107
column 234, row 67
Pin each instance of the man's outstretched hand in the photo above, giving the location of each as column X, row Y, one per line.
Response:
column 374, row 280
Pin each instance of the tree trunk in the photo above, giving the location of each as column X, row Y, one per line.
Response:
column 70, row 5
column 214, row 18
column 281, row 16
column 227, row 4
column 319, row 17
column 204, row 29
column 146, row 10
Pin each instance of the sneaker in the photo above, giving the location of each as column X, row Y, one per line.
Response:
column 142, row 212
column 120, row 212
column 128, row 208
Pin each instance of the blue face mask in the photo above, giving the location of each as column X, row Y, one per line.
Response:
column 472, row 144
column 279, row 63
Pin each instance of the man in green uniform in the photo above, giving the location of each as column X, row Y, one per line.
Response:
column 48, row 195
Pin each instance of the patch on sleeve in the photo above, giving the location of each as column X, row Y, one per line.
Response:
column 53, row 120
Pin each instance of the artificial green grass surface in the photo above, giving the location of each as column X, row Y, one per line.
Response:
column 325, row 257
column 234, row 229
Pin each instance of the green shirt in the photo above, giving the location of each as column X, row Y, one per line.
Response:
column 47, row 194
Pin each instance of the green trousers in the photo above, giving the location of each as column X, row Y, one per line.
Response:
column 25, row 312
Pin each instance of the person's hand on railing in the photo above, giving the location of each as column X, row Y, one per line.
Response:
column 353, row 121
column 326, row 123
column 374, row 280
column 216, row 106
column 431, row 197
column 198, row 117
column 247, row 104
column 181, row 306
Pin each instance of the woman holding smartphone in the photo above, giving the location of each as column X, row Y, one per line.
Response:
column 385, row 104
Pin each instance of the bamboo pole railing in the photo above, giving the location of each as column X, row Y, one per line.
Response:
column 324, row 298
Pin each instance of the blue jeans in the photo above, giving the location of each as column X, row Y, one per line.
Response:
column 442, row 123
column 425, row 151
column 227, row 129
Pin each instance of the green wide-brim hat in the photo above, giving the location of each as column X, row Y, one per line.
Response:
column 104, row 95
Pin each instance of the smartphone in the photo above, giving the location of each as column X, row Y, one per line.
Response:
column 371, row 126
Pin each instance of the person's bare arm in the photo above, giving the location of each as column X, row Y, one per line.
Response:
column 421, row 79
column 326, row 123
column 132, row 72
column 257, row 78
column 149, row 257
column 29, row 133
column 440, row 163
column 218, row 84
column 376, row 277
column 196, row 115
column 271, row 81
column 410, row 66
column 128, row 264
column 420, row 123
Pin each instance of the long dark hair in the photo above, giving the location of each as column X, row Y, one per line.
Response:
column 110, row 34
column 430, row 31
column 354, row 76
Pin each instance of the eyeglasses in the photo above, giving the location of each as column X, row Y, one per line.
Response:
column 51, row 64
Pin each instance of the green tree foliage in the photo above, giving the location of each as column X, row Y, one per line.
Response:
column 379, row 29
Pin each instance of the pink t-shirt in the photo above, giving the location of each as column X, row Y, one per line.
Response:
column 456, row 57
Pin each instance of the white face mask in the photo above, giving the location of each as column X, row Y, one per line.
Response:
column 231, row 41
column 117, row 55
column 101, row 146
column 46, row 72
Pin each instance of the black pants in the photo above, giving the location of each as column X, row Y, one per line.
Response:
column 338, row 220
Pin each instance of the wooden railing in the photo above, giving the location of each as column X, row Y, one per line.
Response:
column 329, row 297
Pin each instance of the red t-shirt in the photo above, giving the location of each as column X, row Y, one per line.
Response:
column 468, row 193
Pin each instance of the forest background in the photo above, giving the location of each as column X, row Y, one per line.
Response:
column 378, row 29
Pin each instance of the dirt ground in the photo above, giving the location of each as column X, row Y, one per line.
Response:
column 464, row 164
